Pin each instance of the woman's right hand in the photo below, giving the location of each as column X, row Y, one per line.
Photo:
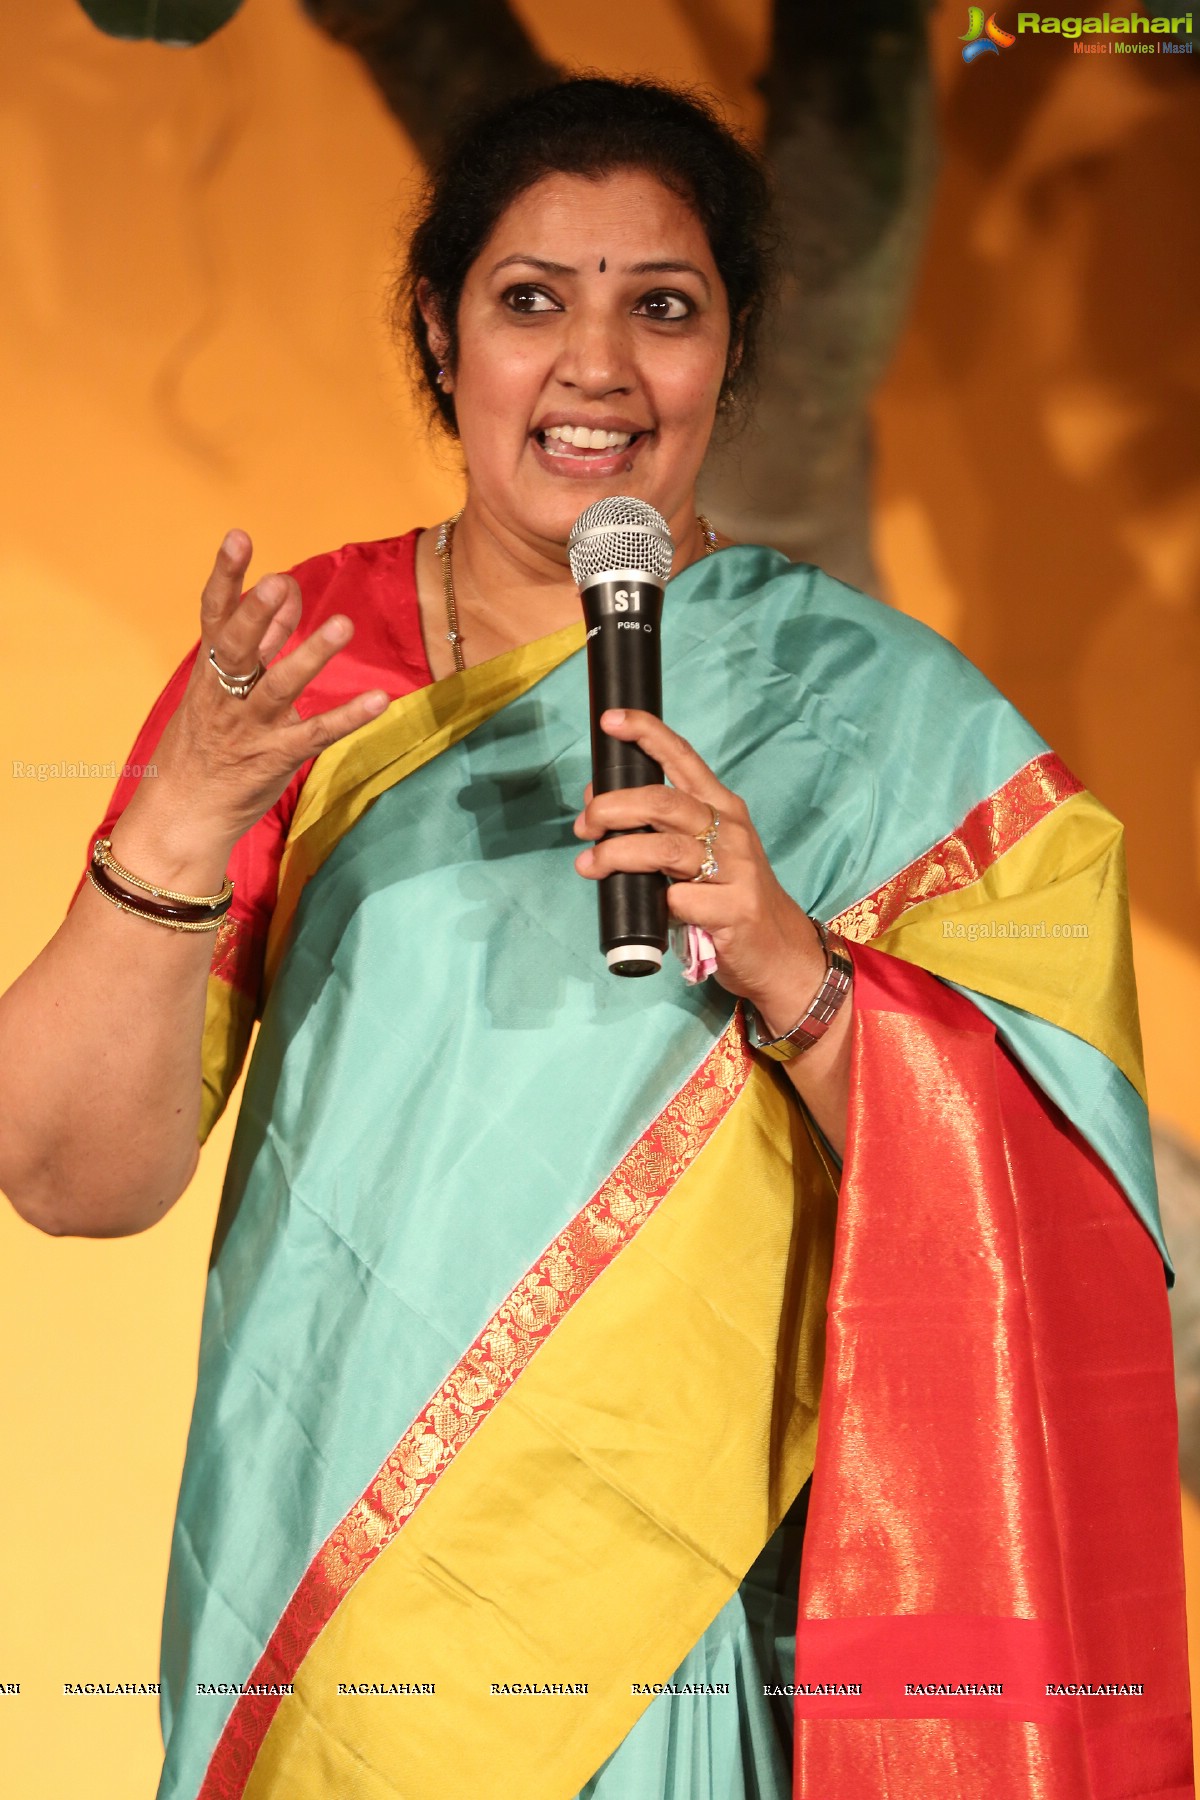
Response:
column 223, row 762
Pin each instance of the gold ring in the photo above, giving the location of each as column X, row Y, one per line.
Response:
column 709, row 867
column 237, row 685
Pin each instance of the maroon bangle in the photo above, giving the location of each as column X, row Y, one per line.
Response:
column 193, row 913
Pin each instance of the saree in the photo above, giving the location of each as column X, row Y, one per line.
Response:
column 539, row 1317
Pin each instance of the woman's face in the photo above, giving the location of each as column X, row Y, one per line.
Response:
column 593, row 333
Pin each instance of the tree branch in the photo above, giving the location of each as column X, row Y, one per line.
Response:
column 433, row 60
column 851, row 145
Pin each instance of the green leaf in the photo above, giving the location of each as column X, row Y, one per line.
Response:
column 165, row 21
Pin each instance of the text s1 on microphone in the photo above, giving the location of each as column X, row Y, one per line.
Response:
column 621, row 552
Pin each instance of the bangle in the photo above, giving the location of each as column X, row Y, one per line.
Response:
column 181, row 912
column 811, row 1028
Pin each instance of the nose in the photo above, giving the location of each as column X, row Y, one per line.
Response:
column 596, row 355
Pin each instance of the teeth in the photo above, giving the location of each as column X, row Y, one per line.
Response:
column 584, row 437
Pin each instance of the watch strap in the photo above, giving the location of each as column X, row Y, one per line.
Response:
column 815, row 1022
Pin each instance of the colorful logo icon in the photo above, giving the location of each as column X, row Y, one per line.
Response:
column 983, row 35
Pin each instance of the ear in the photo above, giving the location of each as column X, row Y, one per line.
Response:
column 436, row 335
column 737, row 341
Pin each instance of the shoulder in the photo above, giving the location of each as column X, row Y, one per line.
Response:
column 897, row 733
column 894, row 677
column 359, row 575
column 841, row 621
column 374, row 584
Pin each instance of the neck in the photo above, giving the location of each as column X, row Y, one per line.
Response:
column 521, row 588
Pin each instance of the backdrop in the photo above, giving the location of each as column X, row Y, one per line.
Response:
column 195, row 247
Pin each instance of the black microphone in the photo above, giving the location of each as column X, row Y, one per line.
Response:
column 621, row 552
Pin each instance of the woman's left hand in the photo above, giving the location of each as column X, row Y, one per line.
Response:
column 767, row 948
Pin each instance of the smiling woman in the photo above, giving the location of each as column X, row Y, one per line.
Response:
column 565, row 378
column 529, row 1286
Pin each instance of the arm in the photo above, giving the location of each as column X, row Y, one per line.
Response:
column 100, row 1037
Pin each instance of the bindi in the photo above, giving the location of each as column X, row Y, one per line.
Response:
column 603, row 264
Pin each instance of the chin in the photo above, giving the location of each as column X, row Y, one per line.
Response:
column 556, row 513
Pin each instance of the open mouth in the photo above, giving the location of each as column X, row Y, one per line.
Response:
column 585, row 440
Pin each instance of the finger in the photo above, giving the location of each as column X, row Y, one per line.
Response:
column 238, row 639
column 289, row 675
column 665, row 808
column 284, row 623
column 310, row 736
column 668, row 852
column 223, row 588
column 684, row 767
column 703, row 903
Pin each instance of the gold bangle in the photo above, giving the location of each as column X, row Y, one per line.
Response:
column 143, row 912
column 102, row 853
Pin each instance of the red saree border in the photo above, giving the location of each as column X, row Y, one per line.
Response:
column 967, row 852
column 506, row 1345
column 237, row 953
column 995, row 1500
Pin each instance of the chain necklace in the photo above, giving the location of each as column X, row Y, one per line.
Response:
column 444, row 546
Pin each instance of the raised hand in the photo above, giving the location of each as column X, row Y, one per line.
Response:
column 224, row 761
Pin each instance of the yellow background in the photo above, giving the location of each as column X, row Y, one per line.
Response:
column 195, row 248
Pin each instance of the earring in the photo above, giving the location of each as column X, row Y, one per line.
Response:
column 441, row 380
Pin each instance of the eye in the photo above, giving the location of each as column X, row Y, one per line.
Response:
column 664, row 304
column 525, row 299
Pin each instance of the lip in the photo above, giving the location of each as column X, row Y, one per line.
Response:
column 604, row 422
column 588, row 465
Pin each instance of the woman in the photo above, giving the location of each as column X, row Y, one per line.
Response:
column 515, row 1337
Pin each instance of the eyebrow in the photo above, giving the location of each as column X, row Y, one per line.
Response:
column 641, row 268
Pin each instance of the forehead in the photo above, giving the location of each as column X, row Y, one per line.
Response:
column 628, row 215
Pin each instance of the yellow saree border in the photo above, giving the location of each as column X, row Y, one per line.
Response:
column 991, row 828
column 229, row 1011
column 591, row 1531
column 1025, row 901
column 345, row 779
column 504, row 1347
column 342, row 783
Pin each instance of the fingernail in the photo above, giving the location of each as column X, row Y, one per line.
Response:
column 584, row 861
column 375, row 703
column 231, row 543
column 271, row 589
column 334, row 631
column 615, row 715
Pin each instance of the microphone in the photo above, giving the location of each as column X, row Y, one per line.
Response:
column 621, row 552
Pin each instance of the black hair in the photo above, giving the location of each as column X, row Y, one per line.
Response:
column 589, row 125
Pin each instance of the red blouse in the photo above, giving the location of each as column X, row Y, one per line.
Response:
column 375, row 585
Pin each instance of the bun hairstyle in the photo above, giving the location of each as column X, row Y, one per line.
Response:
column 590, row 126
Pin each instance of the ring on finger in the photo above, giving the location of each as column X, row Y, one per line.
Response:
column 237, row 685
column 709, row 867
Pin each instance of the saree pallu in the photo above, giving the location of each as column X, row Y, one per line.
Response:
column 515, row 1337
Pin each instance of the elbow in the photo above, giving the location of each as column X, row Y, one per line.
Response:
column 52, row 1208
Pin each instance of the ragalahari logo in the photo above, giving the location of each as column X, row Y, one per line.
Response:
column 983, row 35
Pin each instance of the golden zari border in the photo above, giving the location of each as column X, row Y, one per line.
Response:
column 990, row 829
column 505, row 1347
column 235, row 954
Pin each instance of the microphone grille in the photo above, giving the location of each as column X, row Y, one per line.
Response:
column 620, row 533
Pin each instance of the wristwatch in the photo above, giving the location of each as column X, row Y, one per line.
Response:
column 809, row 1030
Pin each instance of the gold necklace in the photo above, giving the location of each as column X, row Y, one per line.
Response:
column 444, row 546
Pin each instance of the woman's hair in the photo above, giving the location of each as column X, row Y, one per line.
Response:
column 591, row 126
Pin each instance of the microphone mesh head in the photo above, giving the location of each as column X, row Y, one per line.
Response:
column 620, row 533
